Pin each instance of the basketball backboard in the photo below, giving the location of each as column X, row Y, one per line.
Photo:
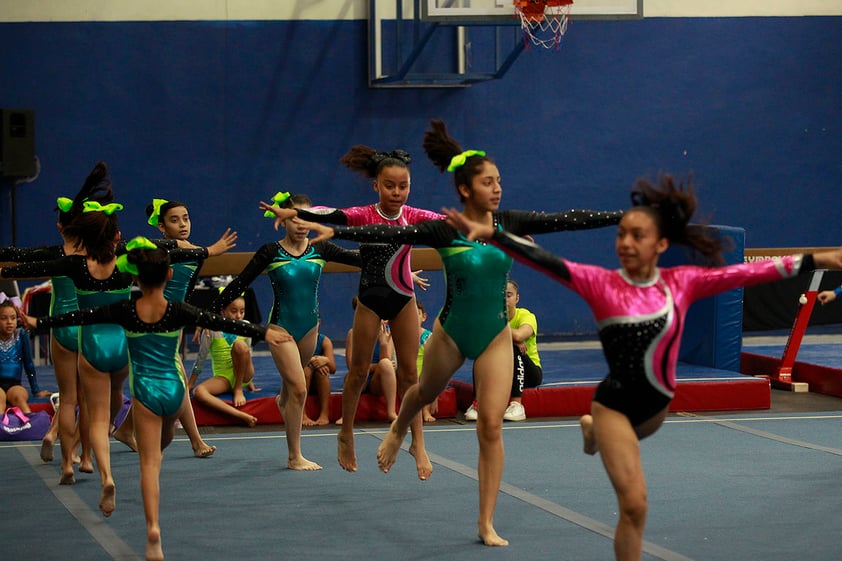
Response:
column 503, row 11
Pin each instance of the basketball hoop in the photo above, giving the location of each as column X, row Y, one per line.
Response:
column 543, row 21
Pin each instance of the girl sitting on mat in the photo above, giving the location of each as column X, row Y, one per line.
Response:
column 233, row 368
column 640, row 311
column 159, row 391
column 15, row 359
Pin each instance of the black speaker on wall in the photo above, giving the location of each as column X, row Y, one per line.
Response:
column 17, row 142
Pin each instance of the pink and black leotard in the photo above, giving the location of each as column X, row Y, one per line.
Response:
column 386, row 276
column 640, row 323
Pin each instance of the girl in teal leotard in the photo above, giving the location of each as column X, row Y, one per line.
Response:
column 172, row 219
column 153, row 326
column 472, row 323
column 294, row 267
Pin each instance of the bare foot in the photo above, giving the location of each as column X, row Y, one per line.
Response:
column 307, row 422
column 322, row 421
column 347, row 454
column 339, row 421
column 422, row 462
column 239, row 398
column 586, row 423
column 303, row 464
column 67, row 479
column 127, row 439
column 429, row 418
column 154, row 549
column 86, row 465
column 108, row 499
column 204, row 450
column 47, row 449
column 490, row 537
column 251, row 421
column 387, row 452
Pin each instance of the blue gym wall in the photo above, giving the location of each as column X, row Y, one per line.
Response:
column 223, row 114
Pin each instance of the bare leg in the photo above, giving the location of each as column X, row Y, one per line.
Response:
column 291, row 402
column 243, row 370
column 406, row 334
column 441, row 359
column 149, row 436
column 201, row 449
column 366, row 329
column 98, row 389
column 493, row 374
column 18, row 396
column 67, row 376
column 619, row 448
column 83, row 430
column 206, row 393
column 384, row 383
column 49, row 440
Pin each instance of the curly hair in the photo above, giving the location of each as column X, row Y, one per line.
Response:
column 671, row 205
column 370, row 162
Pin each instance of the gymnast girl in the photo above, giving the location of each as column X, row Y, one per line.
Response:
column 64, row 343
column 172, row 219
column 103, row 358
column 157, row 384
column 385, row 291
column 294, row 267
column 640, row 310
column 472, row 323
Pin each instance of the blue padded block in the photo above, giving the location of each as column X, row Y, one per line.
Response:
column 713, row 333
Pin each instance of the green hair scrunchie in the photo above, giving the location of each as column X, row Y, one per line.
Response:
column 156, row 211
column 276, row 201
column 139, row 242
column 64, row 204
column 94, row 206
column 459, row 159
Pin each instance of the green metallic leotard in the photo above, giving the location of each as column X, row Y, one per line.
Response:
column 474, row 312
column 62, row 292
column 295, row 282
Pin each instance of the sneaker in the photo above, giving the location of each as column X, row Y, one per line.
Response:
column 471, row 414
column 514, row 412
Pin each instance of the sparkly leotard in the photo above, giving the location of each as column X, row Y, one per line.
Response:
column 15, row 358
column 640, row 323
column 295, row 282
column 154, row 376
column 386, row 277
column 474, row 311
column 62, row 294
column 103, row 345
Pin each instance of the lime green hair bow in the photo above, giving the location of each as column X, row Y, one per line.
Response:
column 94, row 206
column 459, row 159
column 156, row 211
column 276, row 201
column 64, row 204
column 136, row 243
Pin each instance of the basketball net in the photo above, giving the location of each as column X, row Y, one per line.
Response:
column 543, row 21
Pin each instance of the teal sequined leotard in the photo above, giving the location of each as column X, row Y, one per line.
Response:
column 154, row 376
column 62, row 293
column 103, row 345
column 295, row 282
column 474, row 310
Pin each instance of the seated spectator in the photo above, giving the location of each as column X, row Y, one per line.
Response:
column 317, row 373
column 15, row 358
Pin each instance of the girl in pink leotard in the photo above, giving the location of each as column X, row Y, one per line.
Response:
column 640, row 311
